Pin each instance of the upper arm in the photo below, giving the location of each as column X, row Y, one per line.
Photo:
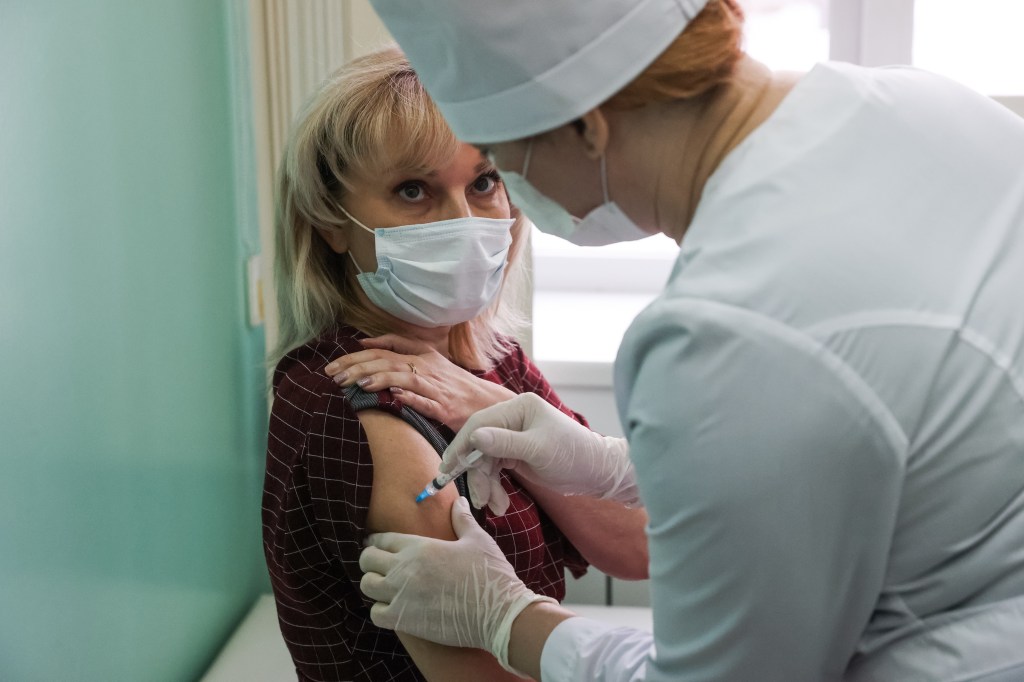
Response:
column 403, row 462
column 772, row 485
column 608, row 536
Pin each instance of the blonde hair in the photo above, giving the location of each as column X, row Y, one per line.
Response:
column 700, row 59
column 370, row 116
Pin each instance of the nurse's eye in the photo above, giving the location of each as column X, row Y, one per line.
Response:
column 486, row 183
column 411, row 191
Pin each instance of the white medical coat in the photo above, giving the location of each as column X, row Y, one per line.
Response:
column 825, row 407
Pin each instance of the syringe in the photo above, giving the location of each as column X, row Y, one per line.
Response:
column 444, row 479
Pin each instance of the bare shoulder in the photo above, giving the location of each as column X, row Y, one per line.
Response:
column 403, row 462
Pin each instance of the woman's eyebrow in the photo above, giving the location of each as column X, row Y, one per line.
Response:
column 413, row 171
column 425, row 171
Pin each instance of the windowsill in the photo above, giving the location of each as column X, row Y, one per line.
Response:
column 576, row 335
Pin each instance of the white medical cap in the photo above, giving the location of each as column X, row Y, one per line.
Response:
column 506, row 69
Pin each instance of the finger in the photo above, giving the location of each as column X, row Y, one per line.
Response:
column 498, row 443
column 376, row 587
column 370, row 375
column 393, row 377
column 425, row 406
column 479, row 487
column 509, row 414
column 498, row 501
column 391, row 542
column 397, row 344
column 376, row 560
column 344, row 362
column 463, row 522
column 337, row 365
column 382, row 616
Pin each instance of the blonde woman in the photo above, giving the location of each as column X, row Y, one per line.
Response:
column 387, row 225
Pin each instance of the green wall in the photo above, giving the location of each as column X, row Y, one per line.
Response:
column 131, row 399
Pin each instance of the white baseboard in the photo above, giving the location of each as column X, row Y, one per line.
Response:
column 256, row 652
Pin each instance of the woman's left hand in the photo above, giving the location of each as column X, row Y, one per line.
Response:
column 424, row 379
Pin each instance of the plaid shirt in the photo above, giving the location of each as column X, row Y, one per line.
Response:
column 315, row 500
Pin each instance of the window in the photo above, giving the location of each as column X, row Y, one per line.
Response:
column 585, row 297
column 979, row 44
column 802, row 23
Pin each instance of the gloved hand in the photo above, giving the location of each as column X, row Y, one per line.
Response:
column 544, row 446
column 462, row 593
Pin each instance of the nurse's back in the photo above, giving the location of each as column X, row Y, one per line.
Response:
column 875, row 223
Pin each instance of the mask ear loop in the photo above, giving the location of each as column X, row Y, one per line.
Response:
column 353, row 259
column 604, row 179
column 526, row 159
column 358, row 224
column 353, row 219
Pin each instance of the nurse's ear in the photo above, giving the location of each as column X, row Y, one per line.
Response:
column 336, row 238
column 593, row 130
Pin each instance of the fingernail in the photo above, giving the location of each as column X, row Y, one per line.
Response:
column 364, row 382
column 331, row 367
column 339, row 378
column 395, row 390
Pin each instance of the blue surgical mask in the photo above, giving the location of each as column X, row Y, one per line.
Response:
column 606, row 224
column 437, row 274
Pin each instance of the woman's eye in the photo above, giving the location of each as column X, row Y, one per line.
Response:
column 411, row 191
column 486, row 183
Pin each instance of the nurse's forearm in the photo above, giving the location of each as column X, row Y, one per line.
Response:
column 610, row 537
column 530, row 631
column 441, row 663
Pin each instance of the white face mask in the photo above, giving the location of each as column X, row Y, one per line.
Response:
column 437, row 274
column 606, row 224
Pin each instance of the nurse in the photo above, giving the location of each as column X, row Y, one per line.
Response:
column 824, row 409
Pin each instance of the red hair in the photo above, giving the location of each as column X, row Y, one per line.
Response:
column 701, row 58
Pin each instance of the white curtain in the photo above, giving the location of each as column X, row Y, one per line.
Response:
column 294, row 46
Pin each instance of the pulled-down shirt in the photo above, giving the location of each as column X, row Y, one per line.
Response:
column 319, row 474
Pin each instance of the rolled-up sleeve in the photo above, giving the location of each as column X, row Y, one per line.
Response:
column 771, row 475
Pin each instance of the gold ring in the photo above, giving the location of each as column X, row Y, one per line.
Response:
column 412, row 367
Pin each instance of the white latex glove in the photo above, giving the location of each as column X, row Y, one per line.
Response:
column 544, row 446
column 462, row 593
